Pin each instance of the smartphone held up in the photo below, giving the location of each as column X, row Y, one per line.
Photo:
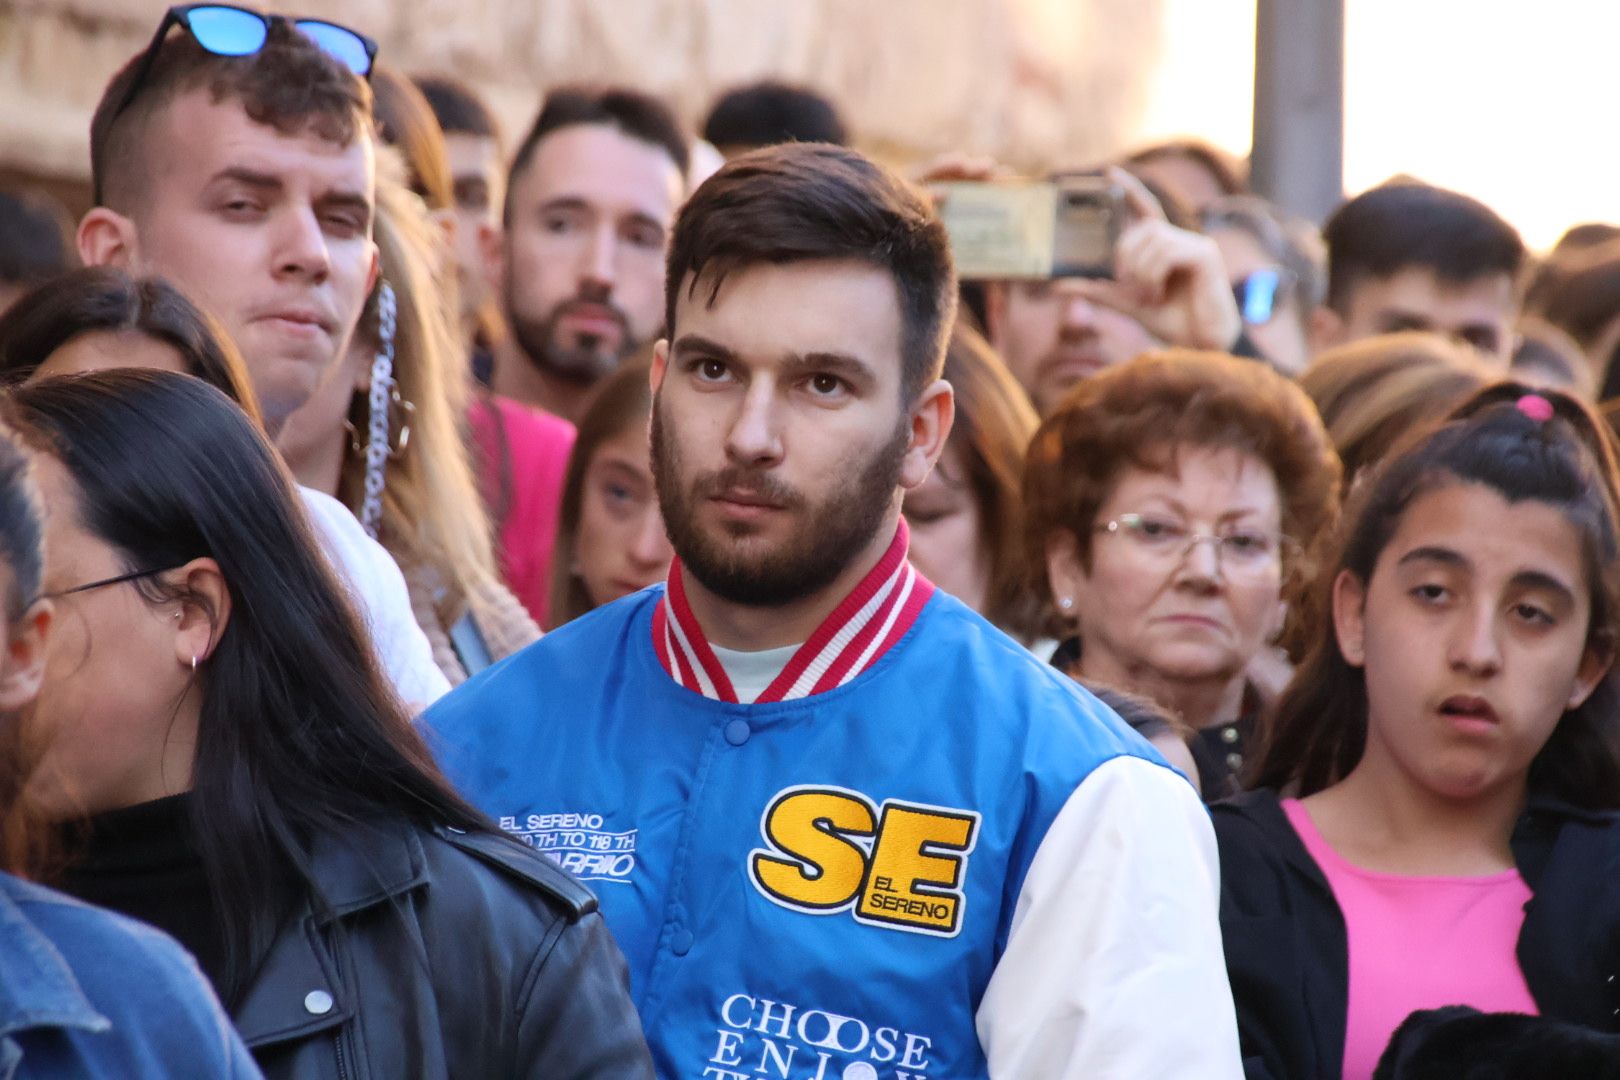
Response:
column 1033, row 230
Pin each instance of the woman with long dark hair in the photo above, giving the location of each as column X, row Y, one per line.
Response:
column 1436, row 819
column 82, row 992
column 253, row 786
column 100, row 318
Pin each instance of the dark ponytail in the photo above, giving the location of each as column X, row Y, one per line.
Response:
column 1318, row 729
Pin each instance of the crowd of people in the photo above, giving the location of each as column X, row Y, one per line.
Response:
column 619, row 605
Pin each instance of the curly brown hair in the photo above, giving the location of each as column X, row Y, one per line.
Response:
column 1139, row 414
column 290, row 84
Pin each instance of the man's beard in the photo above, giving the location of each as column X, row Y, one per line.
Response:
column 829, row 536
column 587, row 362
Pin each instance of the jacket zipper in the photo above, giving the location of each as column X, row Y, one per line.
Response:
column 342, row 1069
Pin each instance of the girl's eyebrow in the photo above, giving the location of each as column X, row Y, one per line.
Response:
column 1524, row 579
column 1434, row 553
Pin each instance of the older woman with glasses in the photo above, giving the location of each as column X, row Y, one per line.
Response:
column 1173, row 502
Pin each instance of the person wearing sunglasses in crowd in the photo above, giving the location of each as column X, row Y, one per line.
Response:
column 1435, row 816
column 1275, row 267
column 227, row 764
column 1169, row 288
column 234, row 157
column 83, row 992
column 98, row 318
column 1171, row 505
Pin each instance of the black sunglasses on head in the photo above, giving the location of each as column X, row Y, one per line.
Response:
column 227, row 30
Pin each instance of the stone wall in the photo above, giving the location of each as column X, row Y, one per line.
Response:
column 1030, row 81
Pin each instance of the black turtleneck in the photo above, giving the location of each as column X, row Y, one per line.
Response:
column 141, row 862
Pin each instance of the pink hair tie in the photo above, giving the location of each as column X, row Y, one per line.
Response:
column 1536, row 407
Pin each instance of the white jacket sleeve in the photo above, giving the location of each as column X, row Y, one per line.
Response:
column 1113, row 965
column 379, row 593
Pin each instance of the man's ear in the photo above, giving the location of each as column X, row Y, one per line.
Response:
column 931, row 419
column 108, row 238
column 375, row 270
column 448, row 222
column 660, row 364
column 22, row 667
column 1326, row 329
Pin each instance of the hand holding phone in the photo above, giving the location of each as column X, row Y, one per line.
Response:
column 1024, row 230
column 1170, row 280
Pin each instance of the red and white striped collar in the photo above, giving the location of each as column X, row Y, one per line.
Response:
column 861, row 629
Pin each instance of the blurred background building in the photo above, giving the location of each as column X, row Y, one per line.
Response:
column 1497, row 98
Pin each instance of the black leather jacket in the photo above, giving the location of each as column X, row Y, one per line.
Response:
column 456, row 955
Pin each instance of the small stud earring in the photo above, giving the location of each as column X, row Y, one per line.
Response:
column 1066, row 602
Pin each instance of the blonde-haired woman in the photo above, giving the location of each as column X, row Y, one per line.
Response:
column 1372, row 392
column 384, row 435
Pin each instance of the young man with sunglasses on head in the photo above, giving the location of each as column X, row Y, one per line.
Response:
column 234, row 158
column 246, row 176
column 1275, row 267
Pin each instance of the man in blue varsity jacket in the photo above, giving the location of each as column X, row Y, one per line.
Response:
column 842, row 827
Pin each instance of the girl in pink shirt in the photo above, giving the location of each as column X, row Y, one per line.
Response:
column 1451, row 746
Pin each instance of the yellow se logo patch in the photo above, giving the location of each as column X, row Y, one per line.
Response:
column 829, row 849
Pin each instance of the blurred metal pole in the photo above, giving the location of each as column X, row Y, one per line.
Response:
column 1298, row 158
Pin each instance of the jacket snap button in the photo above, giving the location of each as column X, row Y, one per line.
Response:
column 681, row 943
column 737, row 732
column 318, row 1002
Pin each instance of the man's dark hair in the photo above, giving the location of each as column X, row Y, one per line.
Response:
column 640, row 116
column 767, row 113
column 459, row 109
column 1394, row 226
column 289, row 84
column 799, row 202
column 35, row 238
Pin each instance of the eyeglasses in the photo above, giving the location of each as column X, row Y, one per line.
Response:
column 227, row 30
column 1237, row 551
column 134, row 575
column 1261, row 293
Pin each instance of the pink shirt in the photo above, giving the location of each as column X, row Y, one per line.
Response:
column 1419, row 943
column 527, row 486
